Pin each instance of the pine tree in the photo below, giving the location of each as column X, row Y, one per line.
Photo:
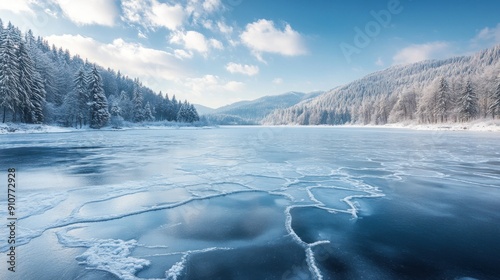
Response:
column 468, row 103
column 187, row 113
column 137, row 100
column 26, row 84
column 126, row 107
column 169, row 109
column 76, row 102
column 495, row 102
column 115, row 110
column 404, row 108
column 82, row 95
column 44, row 67
column 183, row 115
column 443, row 101
column 194, row 113
column 116, row 118
column 99, row 104
column 37, row 99
column 38, row 88
column 9, row 73
column 69, row 109
column 148, row 115
column 176, row 106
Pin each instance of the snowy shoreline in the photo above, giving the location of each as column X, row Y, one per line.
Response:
column 483, row 125
column 478, row 125
column 10, row 128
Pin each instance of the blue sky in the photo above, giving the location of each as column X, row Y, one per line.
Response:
column 215, row 52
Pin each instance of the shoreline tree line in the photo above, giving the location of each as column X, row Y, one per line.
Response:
column 45, row 84
column 458, row 89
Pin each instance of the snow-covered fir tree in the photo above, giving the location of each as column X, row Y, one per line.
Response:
column 468, row 103
column 495, row 102
column 443, row 104
column 37, row 99
column 115, row 111
column 148, row 115
column 183, row 114
column 99, row 104
column 9, row 73
column 82, row 95
column 37, row 84
column 138, row 106
column 169, row 108
column 405, row 107
column 126, row 106
column 26, row 72
column 194, row 114
column 31, row 90
column 187, row 113
column 76, row 103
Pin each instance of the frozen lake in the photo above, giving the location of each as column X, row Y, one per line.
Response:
column 254, row 203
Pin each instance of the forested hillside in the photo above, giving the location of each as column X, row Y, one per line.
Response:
column 45, row 84
column 458, row 89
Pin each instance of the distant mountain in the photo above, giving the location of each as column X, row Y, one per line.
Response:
column 451, row 90
column 203, row 110
column 255, row 110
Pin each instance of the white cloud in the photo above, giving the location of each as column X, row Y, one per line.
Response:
column 207, row 82
column 182, row 54
column 211, row 5
column 16, row 6
column 134, row 10
column 379, row 62
column 210, row 90
column 208, row 24
column 262, row 36
column 86, row 12
column 216, row 44
column 141, row 35
column 278, row 81
column 152, row 66
column 51, row 12
column 234, row 86
column 249, row 70
column 202, row 8
column 224, row 28
column 415, row 53
column 212, row 84
column 488, row 34
column 170, row 17
column 151, row 13
column 193, row 40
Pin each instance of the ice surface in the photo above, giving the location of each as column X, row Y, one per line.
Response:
column 108, row 254
column 161, row 208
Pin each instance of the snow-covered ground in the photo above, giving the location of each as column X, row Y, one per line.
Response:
column 477, row 125
column 31, row 128
column 6, row 128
